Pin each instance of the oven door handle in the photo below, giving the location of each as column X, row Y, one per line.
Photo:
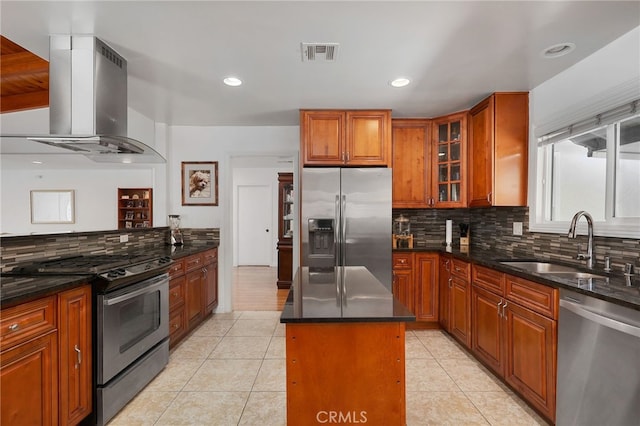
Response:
column 127, row 296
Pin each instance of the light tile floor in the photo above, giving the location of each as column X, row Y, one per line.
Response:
column 231, row 371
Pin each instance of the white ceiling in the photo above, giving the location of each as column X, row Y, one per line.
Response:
column 455, row 53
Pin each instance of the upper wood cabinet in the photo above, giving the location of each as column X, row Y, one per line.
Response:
column 498, row 143
column 449, row 151
column 345, row 137
column 411, row 163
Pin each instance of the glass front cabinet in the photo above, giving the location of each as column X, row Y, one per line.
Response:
column 450, row 165
column 285, row 229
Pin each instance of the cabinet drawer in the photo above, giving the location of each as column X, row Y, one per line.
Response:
column 488, row 279
column 537, row 297
column 461, row 269
column 177, row 268
column 177, row 325
column 176, row 292
column 402, row 260
column 210, row 256
column 23, row 322
column 193, row 262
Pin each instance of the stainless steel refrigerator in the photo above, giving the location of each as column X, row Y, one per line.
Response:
column 346, row 219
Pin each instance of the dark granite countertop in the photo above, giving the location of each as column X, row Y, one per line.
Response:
column 20, row 289
column 338, row 295
column 611, row 289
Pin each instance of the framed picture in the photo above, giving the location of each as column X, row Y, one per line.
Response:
column 200, row 183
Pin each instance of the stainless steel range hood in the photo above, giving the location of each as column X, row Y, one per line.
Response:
column 88, row 103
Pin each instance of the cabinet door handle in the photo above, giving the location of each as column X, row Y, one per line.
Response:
column 450, row 283
column 499, row 305
column 78, row 355
column 503, row 308
column 489, row 197
column 446, row 264
column 14, row 327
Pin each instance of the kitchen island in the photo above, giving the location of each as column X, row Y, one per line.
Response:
column 345, row 349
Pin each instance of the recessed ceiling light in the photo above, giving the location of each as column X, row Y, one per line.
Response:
column 400, row 82
column 36, row 162
column 232, row 81
column 558, row 50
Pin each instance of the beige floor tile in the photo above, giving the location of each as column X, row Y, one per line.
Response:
column 442, row 347
column 426, row 333
column 227, row 315
column 205, row 408
column 277, row 348
column 175, row 375
column 144, row 409
column 260, row 315
column 196, row 347
column 224, row 375
column 272, row 376
column 469, row 375
column 232, row 347
column 214, row 327
column 253, row 327
column 501, row 408
column 265, row 409
column 281, row 330
column 414, row 348
column 441, row 408
column 427, row 375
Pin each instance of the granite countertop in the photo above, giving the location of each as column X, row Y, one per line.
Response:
column 611, row 289
column 342, row 294
column 20, row 289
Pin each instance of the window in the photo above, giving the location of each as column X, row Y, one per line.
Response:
column 593, row 166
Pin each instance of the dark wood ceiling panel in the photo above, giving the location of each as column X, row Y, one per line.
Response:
column 24, row 78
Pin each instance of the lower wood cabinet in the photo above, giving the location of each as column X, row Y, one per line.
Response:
column 455, row 298
column 514, row 333
column 415, row 284
column 45, row 360
column 193, row 292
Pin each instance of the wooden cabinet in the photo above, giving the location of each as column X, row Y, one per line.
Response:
column 285, row 230
column 426, row 291
column 498, row 144
column 514, row 332
column 135, row 208
column 415, row 283
column 210, row 280
column 455, row 298
column 345, row 137
column 193, row 292
column 411, row 163
column 449, row 171
column 46, row 360
column 74, row 334
column 403, row 287
column 29, row 363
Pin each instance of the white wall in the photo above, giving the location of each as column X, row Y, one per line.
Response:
column 221, row 144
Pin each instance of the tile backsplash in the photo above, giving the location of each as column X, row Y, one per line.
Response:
column 14, row 250
column 492, row 229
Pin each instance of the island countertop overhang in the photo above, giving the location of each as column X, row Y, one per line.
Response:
column 344, row 294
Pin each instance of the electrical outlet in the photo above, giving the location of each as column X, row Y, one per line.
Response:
column 517, row 228
column 124, row 238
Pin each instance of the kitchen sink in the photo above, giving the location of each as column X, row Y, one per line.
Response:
column 547, row 268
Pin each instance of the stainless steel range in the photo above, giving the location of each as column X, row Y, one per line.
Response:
column 130, row 324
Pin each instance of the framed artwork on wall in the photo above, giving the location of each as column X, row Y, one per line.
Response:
column 200, row 183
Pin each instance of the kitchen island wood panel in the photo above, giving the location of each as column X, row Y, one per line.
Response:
column 351, row 372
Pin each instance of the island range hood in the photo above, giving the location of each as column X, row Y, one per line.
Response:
column 88, row 103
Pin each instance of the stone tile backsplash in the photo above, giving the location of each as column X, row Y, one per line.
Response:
column 14, row 250
column 492, row 229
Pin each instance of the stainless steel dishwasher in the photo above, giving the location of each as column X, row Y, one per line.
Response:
column 598, row 362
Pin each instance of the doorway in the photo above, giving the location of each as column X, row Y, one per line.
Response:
column 255, row 218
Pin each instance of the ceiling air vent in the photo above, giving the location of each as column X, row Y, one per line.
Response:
column 319, row 52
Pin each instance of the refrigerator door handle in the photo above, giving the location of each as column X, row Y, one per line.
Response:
column 343, row 229
column 337, row 255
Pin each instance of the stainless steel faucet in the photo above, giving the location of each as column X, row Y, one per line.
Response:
column 572, row 234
